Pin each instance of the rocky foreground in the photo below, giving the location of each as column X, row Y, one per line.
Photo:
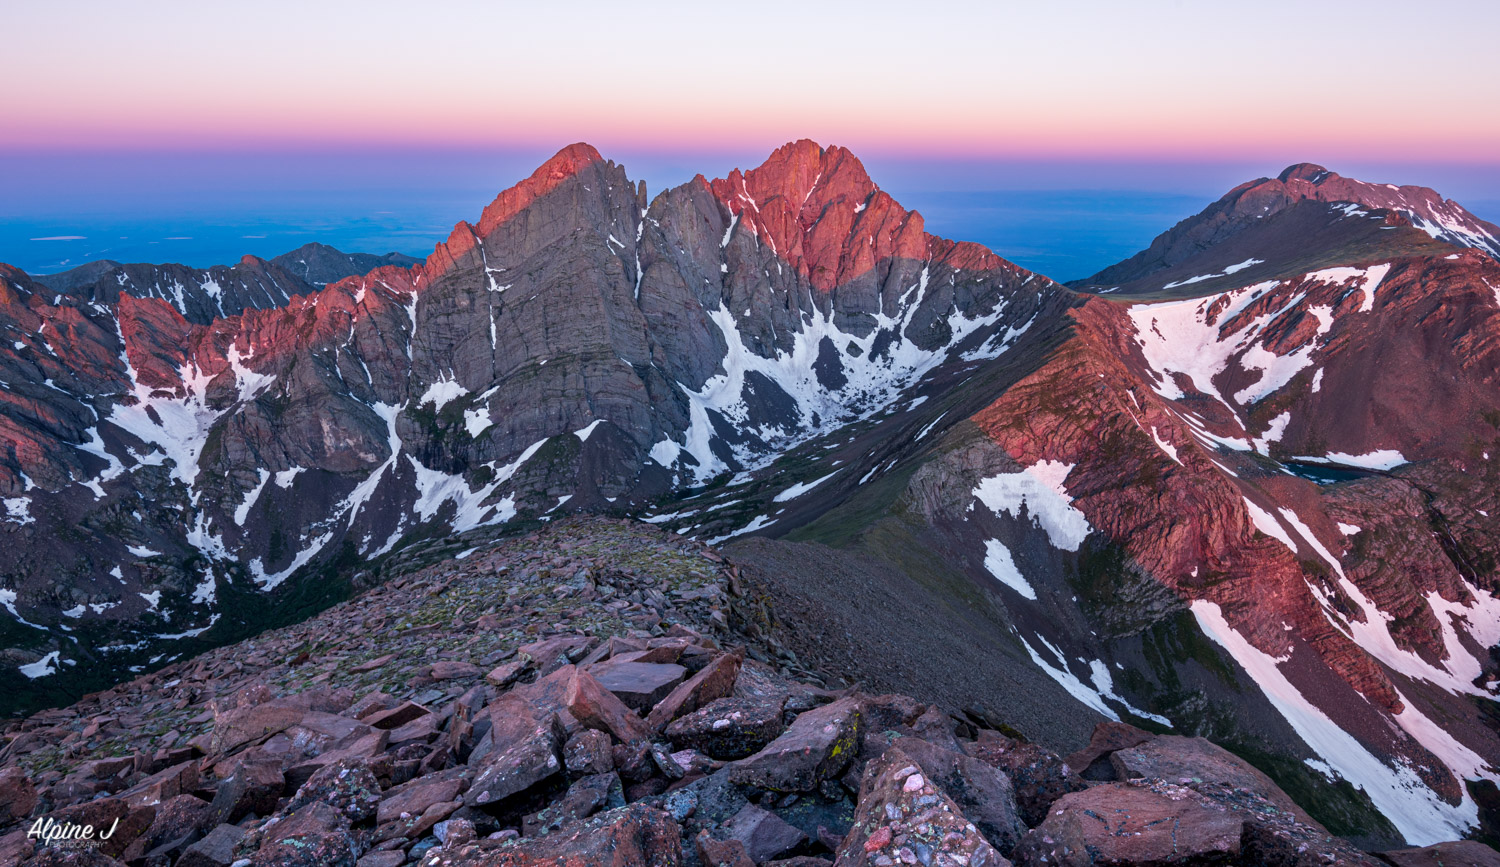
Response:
column 599, row 693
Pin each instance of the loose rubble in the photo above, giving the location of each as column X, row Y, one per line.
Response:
column 480, row 718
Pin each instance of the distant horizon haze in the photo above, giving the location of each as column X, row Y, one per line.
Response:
column 1066, row 219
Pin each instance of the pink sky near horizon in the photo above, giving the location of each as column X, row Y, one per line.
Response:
column 1072, row 79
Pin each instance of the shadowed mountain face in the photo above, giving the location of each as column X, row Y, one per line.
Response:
column 1251, row 502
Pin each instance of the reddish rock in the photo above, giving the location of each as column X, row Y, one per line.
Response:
column 417, row 795
column 640, row 685
column 1038, row 776
column 903, row 819
column 395, row 717
column 587, row 796
column 317, row 835
column 522, row 751
column 764, row 834
column 1459, row 853
column 715, row 681
column 17, row 796
column 633, row 836
column 1122, row 824
column 588, row 752
column 346, row 785
column 248, row 725
column 450, row 670
column 179, row 821
column 506, row 674
column 817, row 746
column 713, row 852
column 982, row 792
column 1186, row 761
column 216, row 849
column 729, row 728
column 1108, row 736
column 553, row 653
column 254, row 786
column 598, row 708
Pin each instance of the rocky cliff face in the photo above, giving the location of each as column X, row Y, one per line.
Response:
column 1252, row 502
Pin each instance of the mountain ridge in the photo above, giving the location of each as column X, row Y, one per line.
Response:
column 1123, row 489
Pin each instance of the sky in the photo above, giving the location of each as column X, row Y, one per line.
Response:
column 382, row 122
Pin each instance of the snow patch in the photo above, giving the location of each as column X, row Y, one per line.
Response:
column 1416, row 811
column 18, row 511
column 998, row 561
column 42, row 667
column 801, row 488
column 243, row 511
column 1039, row 488
column 440, row 393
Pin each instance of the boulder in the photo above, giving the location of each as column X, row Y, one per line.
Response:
column 17, row 796
column 1038, row 776
column 254, row 786
column 393, row 718
column 448, row 669
column 346, row 785
column 1120, row 823
column 507, row 673
column 588, row 752
column 716, row 680
column 903, row 818
column 730, row 728
column 16, row 847
column 598, row 708
column 982, row 792
column 553, row 653
column 179, row 821
column 640, row 685
column 317, row 835
column 101, row 815
column 633, row 836
column 713, row 852
column 368, row 748
column 817, row 746
column 587, row 796
column 243, row 726
column 412, row 798
column 413, row 826
column 216, row 849
column 163, row 785
column 1458, row 853
column 1108, row 736
column 763, row 833
column 1186, row 761
column 522, row 751
column 385, row 858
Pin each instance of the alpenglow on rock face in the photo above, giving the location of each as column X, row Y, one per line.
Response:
column 1244, row 488
column 196, row 434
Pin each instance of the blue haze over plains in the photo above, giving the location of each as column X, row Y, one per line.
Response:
column 1063, row 220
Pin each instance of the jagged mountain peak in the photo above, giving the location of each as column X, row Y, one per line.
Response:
column 806, row 173
column 565, row 164
column 820, row 212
